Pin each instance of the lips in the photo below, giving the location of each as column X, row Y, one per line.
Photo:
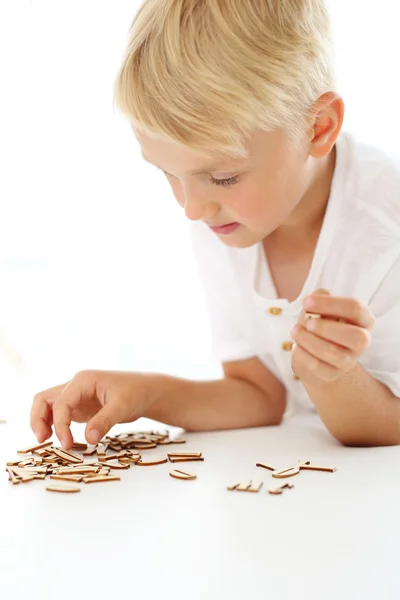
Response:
column 225, row 229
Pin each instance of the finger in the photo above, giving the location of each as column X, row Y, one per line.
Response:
column 356, row 339
column 349, row 309
column 329, row 353
column 40, row 419
column 62, row 421
column 102, row 422
column 304, row 365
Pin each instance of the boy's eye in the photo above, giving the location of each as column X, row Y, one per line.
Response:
column 225, row 182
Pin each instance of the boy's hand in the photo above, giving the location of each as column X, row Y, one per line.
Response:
column 330, row 346
column 99, row 398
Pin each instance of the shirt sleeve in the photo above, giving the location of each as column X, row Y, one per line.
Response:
column 382, row 360
column 221, row 270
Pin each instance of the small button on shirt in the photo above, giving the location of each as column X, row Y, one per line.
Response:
column 357, row 255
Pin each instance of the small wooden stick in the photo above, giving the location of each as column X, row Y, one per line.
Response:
column 309, row 315
column 314, row 468
column 178, row 441
column 76, row 478
column 34, row 448
column 77, row 470
column 264, row 466
column 185, row 454
column 100, row 479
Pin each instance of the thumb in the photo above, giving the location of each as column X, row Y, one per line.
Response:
column 101, row 423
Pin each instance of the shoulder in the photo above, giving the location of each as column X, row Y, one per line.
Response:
column 373, row 178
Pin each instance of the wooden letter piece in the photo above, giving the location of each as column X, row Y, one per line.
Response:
column 177, row 459
column 279, row 489
column 66, row 489
column 283, row 473
column 232, row 488
column 117, row 465
column 255, row 487
column 243, row 487
column 12, row 477
column 182, row 475
column 151, row 463
column 309, row 315
column 69, row 457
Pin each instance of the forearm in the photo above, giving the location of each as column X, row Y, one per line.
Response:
column 211, row 405
column 358, row 410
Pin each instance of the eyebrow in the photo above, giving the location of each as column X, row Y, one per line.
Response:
column 206, row 169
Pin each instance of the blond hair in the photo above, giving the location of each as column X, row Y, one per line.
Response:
column 206, row 73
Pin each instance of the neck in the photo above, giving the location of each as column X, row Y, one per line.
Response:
column 309, row 214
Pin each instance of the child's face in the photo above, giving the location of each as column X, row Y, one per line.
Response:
column 243, row 201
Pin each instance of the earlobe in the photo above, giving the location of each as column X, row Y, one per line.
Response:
column 328, row 121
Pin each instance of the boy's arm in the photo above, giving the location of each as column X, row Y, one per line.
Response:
column 248, row 396
column 357, row 409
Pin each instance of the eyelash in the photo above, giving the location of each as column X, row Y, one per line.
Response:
column 225, row 182
column 220, row 182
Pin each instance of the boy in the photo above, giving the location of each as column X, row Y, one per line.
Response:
column 235, row 101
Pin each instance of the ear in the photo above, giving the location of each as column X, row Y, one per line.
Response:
column 327, row 124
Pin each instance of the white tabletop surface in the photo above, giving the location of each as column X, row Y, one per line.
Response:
column 332, row 537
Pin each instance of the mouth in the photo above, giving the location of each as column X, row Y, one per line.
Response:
column 225, row 229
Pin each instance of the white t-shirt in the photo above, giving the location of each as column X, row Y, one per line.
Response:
column 357, row 255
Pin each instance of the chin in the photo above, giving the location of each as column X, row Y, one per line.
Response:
column 245, row 240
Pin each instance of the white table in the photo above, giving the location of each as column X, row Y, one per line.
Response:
column 333, row 537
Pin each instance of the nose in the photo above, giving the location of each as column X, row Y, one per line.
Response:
column 197, row 208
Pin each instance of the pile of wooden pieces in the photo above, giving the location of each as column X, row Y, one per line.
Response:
column 255, row 486
column 113, row 453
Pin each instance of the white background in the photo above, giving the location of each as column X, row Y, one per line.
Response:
column 96, row 269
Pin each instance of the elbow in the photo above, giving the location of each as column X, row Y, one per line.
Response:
column 371, row 440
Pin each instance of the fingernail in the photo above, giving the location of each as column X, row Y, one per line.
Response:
column 37, row 435
column 293, row 331
column 64, row 444
column 93, row 436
